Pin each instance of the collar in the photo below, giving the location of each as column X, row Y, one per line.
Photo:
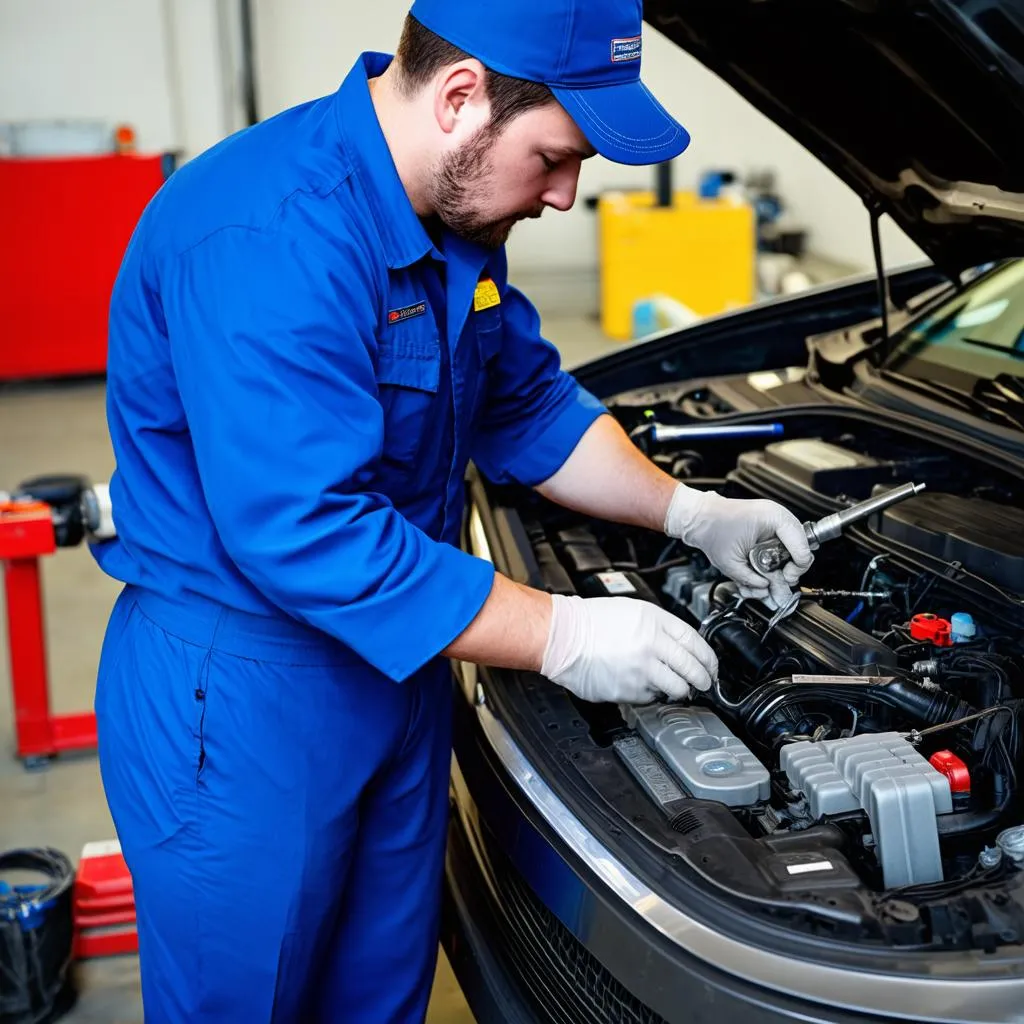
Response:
column 402, row 234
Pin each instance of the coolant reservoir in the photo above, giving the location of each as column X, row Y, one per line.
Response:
column 962, row 627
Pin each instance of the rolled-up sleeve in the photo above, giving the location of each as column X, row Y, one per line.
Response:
column 535, row 412
column 273, row 349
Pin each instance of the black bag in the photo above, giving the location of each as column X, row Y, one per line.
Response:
column 36, row 985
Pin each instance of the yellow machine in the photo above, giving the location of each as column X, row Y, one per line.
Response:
column 700, row 252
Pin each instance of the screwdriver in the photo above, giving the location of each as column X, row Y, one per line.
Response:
column 772, row 554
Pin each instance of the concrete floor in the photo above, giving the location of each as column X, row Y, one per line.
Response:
column 62, row 428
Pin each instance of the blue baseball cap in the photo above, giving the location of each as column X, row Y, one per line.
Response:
column 586, row 51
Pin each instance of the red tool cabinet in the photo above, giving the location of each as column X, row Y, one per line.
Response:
column 64, row 226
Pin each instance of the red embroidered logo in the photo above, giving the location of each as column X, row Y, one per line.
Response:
column 396, row 316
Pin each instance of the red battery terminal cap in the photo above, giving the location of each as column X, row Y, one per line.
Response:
column 953, row 768
column 932, row 629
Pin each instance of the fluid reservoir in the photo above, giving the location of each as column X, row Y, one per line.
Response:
column 962, row 627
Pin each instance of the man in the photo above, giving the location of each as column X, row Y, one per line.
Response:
column 311, row 335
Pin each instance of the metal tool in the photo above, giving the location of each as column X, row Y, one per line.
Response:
column 787, row 609
column 667, row 432
column 772, row 554
column 651, row 433
column 868, row 595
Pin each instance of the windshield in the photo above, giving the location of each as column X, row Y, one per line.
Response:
column 978, row 335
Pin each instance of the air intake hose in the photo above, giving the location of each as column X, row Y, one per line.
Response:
column 932, row 707
column 921, row 705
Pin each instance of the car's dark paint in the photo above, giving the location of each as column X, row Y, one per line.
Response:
column 770, row 335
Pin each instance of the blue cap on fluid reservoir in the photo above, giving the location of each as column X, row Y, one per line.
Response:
column 963, row 627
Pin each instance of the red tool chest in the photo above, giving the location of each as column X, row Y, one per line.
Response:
column 64, row 225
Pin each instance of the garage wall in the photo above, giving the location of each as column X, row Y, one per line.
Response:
column 157, row 64
column 169, row 67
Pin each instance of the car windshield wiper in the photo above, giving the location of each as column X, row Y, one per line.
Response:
column 972, row 404
column 1010, row 385
column 1005, row 393
column 991, row 346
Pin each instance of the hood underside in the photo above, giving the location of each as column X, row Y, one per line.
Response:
column 918, row 105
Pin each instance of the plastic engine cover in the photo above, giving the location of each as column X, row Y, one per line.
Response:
column 984, row 537
column 883, row 774
column 711, row 762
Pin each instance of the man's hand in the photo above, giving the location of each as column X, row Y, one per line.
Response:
column 725, row 529
column 623, row 650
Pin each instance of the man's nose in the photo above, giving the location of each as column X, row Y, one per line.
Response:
column 562, row 183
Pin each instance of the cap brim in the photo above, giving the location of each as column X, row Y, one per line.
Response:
column 625, row 123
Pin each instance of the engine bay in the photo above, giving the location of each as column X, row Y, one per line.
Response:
column 855, row 770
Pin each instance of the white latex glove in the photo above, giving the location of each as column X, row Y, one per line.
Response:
column 625, row 651
column 725, row 529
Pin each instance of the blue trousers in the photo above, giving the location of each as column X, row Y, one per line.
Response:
column 282, row 809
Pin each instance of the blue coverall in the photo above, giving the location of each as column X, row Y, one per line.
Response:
column 298, row 376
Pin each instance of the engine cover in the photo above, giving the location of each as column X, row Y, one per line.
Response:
column 986, row 538
column 831, row 640
column 817, row 465
column 883, row 774
column 711, row 762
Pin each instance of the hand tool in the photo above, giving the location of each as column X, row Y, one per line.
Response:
column 772, row 554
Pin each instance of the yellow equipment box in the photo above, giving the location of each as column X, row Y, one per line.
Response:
column 700, row 252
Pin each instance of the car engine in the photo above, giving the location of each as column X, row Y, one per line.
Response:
column 867, row 747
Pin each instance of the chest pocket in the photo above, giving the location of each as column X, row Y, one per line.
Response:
column 408, row 375
column 489, row 332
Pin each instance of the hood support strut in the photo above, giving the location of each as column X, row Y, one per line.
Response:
column 883, row 284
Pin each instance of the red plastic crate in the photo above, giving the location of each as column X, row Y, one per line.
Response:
column 104, row 903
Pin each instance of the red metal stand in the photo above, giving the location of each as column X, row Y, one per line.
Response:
column 103, row 898
column 26, row 534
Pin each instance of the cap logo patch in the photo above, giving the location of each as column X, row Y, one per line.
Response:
column 397, row 316
column 626, row 49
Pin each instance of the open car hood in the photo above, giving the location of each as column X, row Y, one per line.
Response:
column 918, row 105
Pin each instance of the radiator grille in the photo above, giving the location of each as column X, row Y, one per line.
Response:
column 567, row 982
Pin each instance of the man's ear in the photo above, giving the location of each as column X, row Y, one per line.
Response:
column 460, row 97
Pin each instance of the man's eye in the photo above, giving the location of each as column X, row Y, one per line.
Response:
column 549, row 164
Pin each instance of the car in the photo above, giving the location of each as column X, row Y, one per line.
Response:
column 834, row 832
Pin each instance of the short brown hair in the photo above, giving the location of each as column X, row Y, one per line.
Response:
column 422, row 53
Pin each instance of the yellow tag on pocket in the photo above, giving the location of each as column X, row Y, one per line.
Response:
column 486, row 295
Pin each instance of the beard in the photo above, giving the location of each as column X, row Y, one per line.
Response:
column 460, row 185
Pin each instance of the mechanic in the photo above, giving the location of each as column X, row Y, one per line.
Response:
column 311, row 334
